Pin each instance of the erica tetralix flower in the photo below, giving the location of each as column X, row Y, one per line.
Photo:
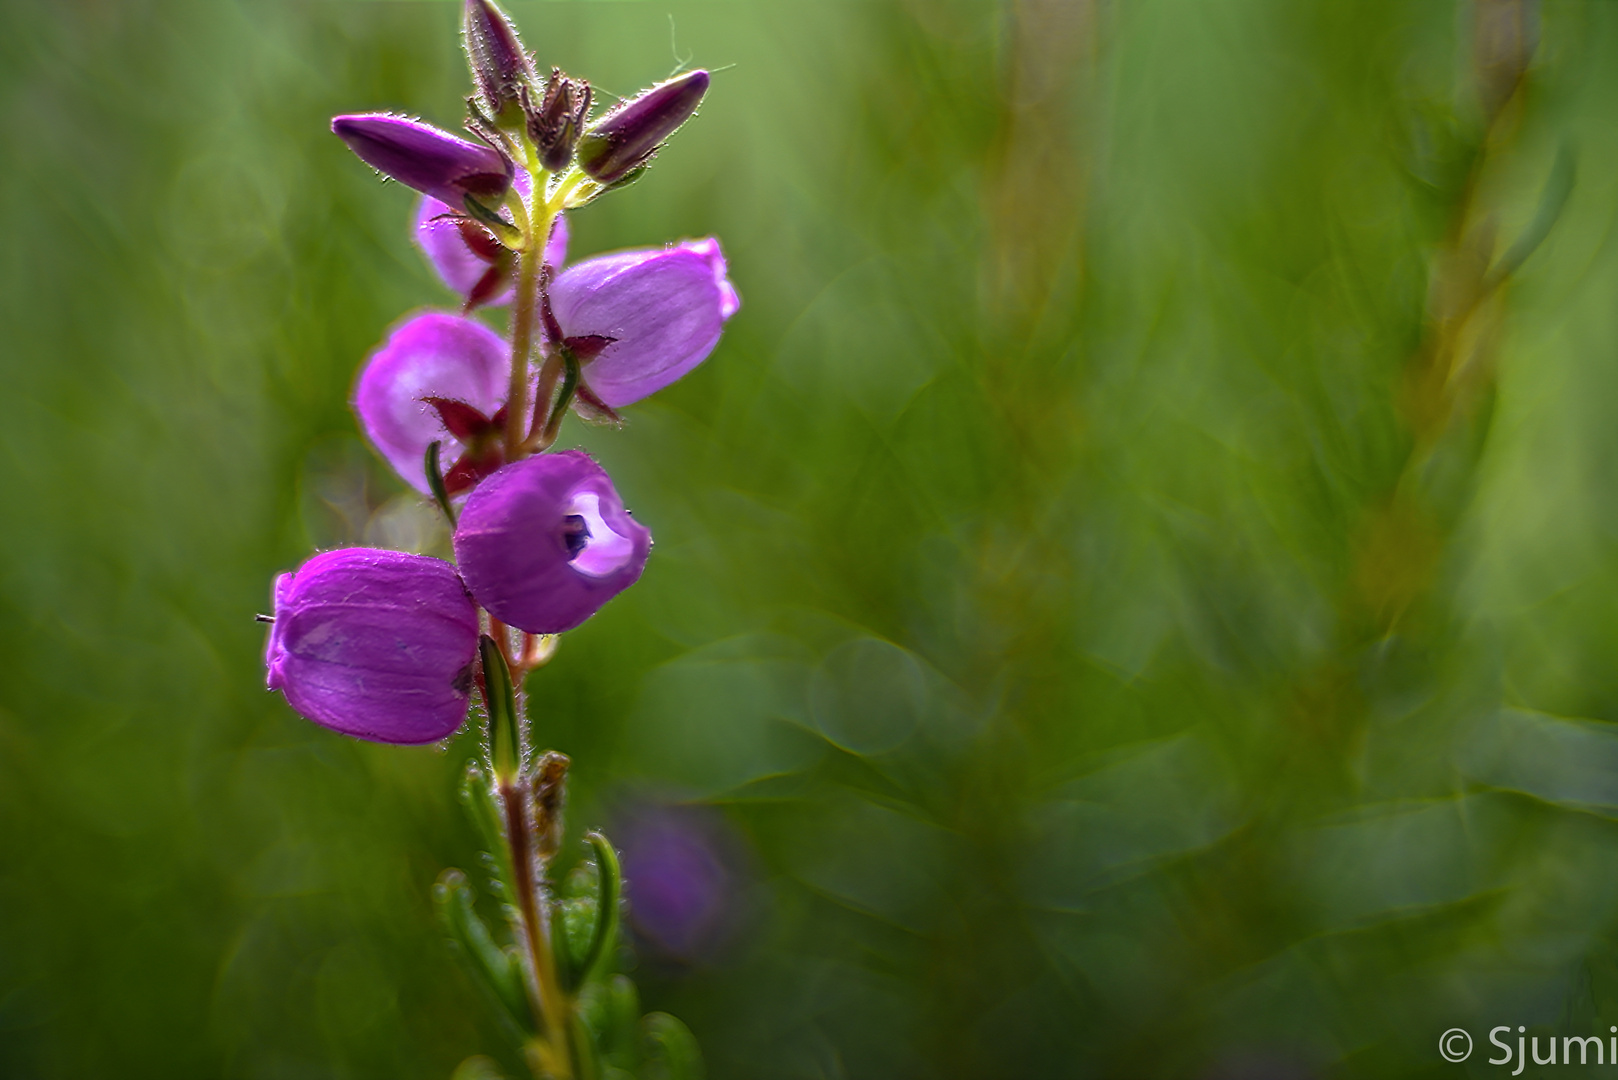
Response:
column 545, row 542
column 661, row 309
column 374, row 644
column 438, row 378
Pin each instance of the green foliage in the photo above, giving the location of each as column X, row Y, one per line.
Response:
column 1121, row 654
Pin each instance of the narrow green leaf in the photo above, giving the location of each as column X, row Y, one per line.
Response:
column 478, row 1068
column 501, row 700
column 435, row 481
column 671, row 1050
column 495, row 968
column 482, row 806
column 609, row 888
column 622, row 1022
column 504, row 231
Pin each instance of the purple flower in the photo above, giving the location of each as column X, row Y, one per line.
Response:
column 407, row 395
column 421, row 156
column 686, row 876
column 627, row 137
column 375, row 644
column 464, row 253
column 545, row 542
column 663, row 309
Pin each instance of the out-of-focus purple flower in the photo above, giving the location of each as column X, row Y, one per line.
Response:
column 627, row 137
column 464, row 253
column 663, row 309
column 406, row 394
column 685, row 877
column 545, row 542
column 375, row 644
column 421, row 156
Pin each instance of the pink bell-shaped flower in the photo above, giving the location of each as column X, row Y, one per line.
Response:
column 374, row 644
column 662, row 310
column 438, row 378
column 545, row 542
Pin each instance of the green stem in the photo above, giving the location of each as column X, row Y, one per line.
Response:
column 522, row 343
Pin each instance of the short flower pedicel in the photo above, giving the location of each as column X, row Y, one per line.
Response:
column 389, row 646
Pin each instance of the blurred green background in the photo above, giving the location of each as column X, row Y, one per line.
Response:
column 1137, row 583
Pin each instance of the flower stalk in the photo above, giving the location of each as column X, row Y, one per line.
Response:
column 389, row 646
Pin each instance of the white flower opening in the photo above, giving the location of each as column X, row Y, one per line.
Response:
column 604, row 551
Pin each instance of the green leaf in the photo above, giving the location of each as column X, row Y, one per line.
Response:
column 501, row 701
column 622, row 1022
column 504, row 231
column 483, row 807
column 609, row 876
column 478, row 1068
column 671, row 1050
column 435, row 481
column 577, row 920
column 497, row 969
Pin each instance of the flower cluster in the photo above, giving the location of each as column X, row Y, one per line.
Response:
column 395, row 647
column 361, row 641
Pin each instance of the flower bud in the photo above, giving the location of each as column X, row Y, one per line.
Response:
column 554, row 124
column 545, row 542
column 500, row 66
column 374, row 644
column 661, row 310
column 421, row 156
column 626, row 137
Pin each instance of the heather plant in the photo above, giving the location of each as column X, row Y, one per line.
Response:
column 397, row 647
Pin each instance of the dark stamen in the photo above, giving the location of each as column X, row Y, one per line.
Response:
column 263, row 618
column 575, row 534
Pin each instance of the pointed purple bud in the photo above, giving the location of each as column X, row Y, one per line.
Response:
column 429, row 356
column 500, row 66
column 421, row 156
column 625, row 138
column 663, row 309
column 545, row 542
column 442, row 236
column 374, row 644
column 554, row 123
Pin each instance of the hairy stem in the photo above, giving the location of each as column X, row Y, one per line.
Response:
column 522, row 342
column 544, row 987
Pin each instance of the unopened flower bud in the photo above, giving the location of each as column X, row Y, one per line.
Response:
column 421, row 156
column 500, row 66
column 374, row 644
column 555, row 122
column 545, row 542
column 626, row 137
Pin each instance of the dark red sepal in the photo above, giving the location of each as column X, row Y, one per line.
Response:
column 587, row 405
column 487, row 287
column 460, row 419
column 586, row 347
column 479, row 241
column 471, row 469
